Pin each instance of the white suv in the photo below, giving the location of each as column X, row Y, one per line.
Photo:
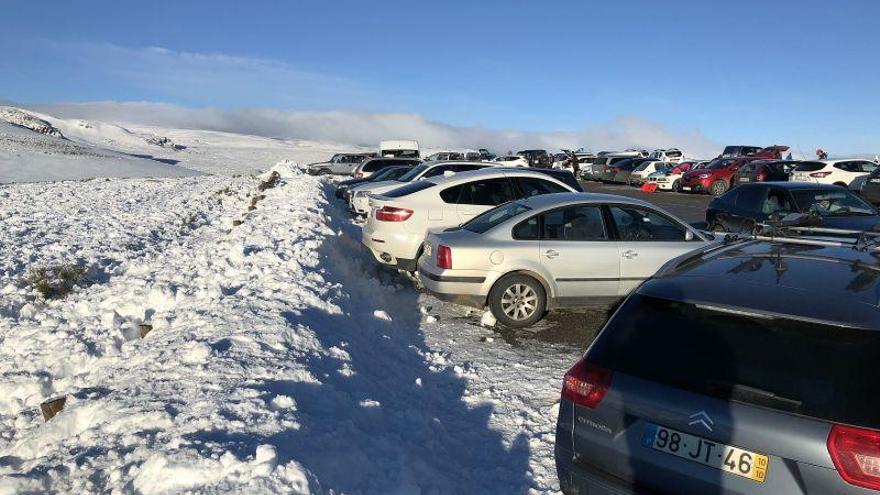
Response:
column 400, row 219
column 839, row 172
column 359, row 197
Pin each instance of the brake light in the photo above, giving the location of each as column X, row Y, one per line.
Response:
column 820, row 174
column 856, row 455
column 393, row 214
column 586, row 384
column 444, row 257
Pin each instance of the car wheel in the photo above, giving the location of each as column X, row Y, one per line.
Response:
column 323, row 171
column 676, row 186
column 518, row 301
column 718, row 188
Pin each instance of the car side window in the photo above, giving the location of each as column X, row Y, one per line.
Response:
column 751, row 199
column 638, row 224
column 531, row 186
column 434, row 172
column 527, row 230
column 489, row 192
column 867, row 167
column 451, row 194
column 777, row 201
column 579, row 223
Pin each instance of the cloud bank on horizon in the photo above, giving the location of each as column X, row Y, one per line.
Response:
column 368, row 128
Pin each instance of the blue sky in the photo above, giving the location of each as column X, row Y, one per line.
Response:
column 803, row 73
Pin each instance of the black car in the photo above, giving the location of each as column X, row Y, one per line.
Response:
column 388, row 173
column 742, row 368
column 870, row 190
column 830, row 206
column 764, row 171
column 537, row 158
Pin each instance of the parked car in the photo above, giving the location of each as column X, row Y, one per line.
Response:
column 373, row 165
column 387, row 173
column 554, row 251
column 747, row 368
column 359, row 196
column 764, row 171
column 620, row 171
column 536, row 158
column 603, row 163
column 486, row 155
column 717, row 177
column 670, row 179
column 512, row 161
column 639, row 175
column 401, row 148
column 399, row 220
column 734, row 151
column 840, row 172
column 338, row 164
column 831, row 206
column 870, row 187
column 671, row 155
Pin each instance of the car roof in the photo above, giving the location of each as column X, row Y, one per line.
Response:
column 834, row 285
column 542, row 201
column 491, row 172
column 794, row 186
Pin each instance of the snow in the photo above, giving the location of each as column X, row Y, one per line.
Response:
column 280, row 356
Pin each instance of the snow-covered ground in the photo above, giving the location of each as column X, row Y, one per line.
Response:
column 279, row 357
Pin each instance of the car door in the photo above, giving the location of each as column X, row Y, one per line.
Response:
column 341, row 165
column 481, row 195
column 579, row 253
column 646, row 239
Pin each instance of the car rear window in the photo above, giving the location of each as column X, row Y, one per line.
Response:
column 799, row 367
column 494, row 217
column 809, row 167
column 412, row 187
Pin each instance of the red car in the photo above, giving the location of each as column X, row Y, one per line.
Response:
column 717, row 177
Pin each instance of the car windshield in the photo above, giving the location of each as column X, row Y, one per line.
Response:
column 827, row 370
column 495, row 216
column 412, row 174
column 386, row 174
column 832, row 203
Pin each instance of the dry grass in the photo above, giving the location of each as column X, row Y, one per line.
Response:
column 55, row 281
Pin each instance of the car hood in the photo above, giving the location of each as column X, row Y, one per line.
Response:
column 312, row 165
column 854, row 222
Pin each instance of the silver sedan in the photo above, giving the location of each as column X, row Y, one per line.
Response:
column 526, row 257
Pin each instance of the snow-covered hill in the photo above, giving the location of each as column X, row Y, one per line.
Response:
column 37, row 147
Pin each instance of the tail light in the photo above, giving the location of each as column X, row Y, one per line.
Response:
column 444, row 257
column 856, row 455
column 586, row 384
column 820, row 174
column 393, row 214
column 762, row 176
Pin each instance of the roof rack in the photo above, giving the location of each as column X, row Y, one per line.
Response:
column 860, row 240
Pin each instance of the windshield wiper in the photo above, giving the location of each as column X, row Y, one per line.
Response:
column 753, row 395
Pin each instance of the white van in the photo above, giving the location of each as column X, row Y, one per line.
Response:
column 404, row 148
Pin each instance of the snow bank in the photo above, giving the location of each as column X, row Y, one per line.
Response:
column 280, row 358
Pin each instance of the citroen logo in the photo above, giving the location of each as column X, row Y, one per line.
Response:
column 701, row 418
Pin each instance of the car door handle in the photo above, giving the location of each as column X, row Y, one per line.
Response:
column 550, row 253
column 630, row 254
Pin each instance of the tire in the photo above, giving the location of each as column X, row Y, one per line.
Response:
column 676, row 186
column 518, row 301
column 718, row 188
column 324, row 171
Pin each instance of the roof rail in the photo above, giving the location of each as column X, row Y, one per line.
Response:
column 861, row 240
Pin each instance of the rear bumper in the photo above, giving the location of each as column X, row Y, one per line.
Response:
column 360, row 204
column 700, row 185
column 580, row 480
column 396, row 249
column 464, row 289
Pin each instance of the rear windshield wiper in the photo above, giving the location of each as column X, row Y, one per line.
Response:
column 753, row 395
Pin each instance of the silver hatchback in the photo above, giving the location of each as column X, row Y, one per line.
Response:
column 553, row 251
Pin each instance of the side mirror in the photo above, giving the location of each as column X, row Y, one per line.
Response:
column 688, row 235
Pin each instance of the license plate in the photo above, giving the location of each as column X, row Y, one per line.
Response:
column 727, row 458
column 686, row 188
column 744, row 179
column 875, row 180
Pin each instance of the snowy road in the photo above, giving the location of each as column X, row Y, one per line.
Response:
column 281, row 358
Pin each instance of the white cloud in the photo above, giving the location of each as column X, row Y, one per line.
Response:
column 367, row 128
